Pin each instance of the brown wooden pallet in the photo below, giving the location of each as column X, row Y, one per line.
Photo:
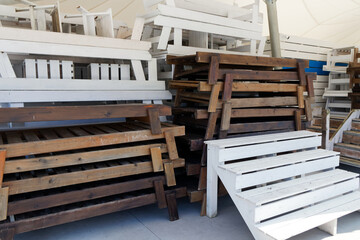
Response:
column 69, row 206
column 44, row 160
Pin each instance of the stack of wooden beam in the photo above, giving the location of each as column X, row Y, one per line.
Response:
column 354, row 72
column 309, row 49
column 53, row 176
column 223, row 95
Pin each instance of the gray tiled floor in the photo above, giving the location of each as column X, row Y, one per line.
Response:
column 150, row 223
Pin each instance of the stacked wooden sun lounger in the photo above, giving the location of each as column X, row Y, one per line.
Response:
column 53, row 176
column 336, row 94
column 221, row 96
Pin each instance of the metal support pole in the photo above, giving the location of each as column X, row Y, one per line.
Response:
column 273, row 28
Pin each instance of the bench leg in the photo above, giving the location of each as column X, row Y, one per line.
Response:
column 7, row 234
column 211, row 192
column 330, row 227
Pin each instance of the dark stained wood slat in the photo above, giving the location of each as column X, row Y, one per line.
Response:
column 13, row 137
column 35, row 114
column 64, row 133
column 79, row 131
column 53, row 219
column 49, row 134
column 44, row 202
column 31, row 136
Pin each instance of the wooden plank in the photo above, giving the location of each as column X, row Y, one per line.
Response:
column 154, row 118
column 66, row 179
column 156, row 159
column 31, row 164
column 257, row 178
column 85, row 212
column 310, row 85
column 301, row 72
column 203, row 57
column 300, row 97
column 297, row 116
column 104, row 68
column 171, row 144
column 169, row 172
column 292, row 203
column 58, row 199
column 114, row 71
column 214, row 97
column 56, row 145
column 245, row 113
column 72, row 39
column 2, row 165
column 261, row 126
column 54, row 69
column 124, row 71
column 160, row 193
column 226, row 117
column 254, row 75
column 42, row 68
column 7, row 234
column 253, row 87
column 30, row 68
column 227, row 92
column 263, row 102
column 164, row 37
column 213, row 70
column 263, row 149
column 4, row 196
column 138, row 70
column 172, row 206
column 58, row 113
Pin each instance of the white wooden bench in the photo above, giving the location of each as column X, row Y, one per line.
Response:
column 45, row 85
column 281, row 183
column 205, row 25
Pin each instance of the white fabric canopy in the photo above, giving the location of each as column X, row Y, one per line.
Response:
column 329, row 20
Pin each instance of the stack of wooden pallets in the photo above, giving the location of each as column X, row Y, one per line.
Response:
column 220, row 95
column 53, row 176
column 354, row 72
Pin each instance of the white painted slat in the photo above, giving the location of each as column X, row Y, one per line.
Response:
column 164, row 38
column 205, row 27
column 178, row 37
column 208, row 18
column 305, row 199
column 125, row 71
column 42, row 68
column 152, row 68
column 231, row 142
column 104, row 69
column 138, row 28
column 6, row 69
column 67, row 69
column 138, row 70
column 12, row 46
column 306, row 219
column 30, row 68
column 54, row 69
column 253, row 193
column 257, row 178
column 270, row 162
column 185, row 50
column 81, row 96
column 114, row 68
column 21, row 84
column 305, row 186
column 71, row 39
column 94, row 71
column 261, row 149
